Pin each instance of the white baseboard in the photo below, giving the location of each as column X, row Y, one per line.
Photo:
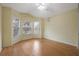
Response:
column 16, row 41
column 61, row 41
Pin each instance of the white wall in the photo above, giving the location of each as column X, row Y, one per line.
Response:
column 63, row 28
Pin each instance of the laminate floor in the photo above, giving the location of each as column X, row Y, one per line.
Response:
column 39, row 47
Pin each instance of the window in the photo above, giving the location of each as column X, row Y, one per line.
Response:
column 27, row 27
column 36, row 27
column 15, row 28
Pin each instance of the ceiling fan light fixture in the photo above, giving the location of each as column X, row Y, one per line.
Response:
column 41, row 6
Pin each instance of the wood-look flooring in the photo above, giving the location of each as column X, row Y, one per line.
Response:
column 39, row 47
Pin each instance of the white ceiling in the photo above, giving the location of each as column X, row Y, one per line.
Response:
column 52, row 8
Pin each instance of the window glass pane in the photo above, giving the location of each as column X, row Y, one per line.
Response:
column 36, row 27
column 27, row 27
column 15, row 28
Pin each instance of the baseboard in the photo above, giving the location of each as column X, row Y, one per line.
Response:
column 61, row 42
column 17, row 41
